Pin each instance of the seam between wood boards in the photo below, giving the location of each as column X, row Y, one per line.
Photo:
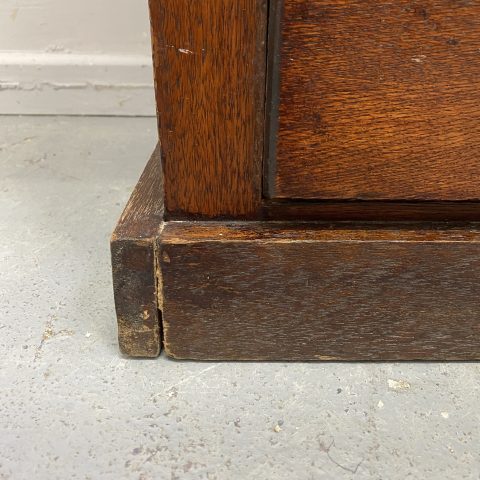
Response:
column 159, row 284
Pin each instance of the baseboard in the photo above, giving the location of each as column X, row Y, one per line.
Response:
column 76, row 84
column 317, row 291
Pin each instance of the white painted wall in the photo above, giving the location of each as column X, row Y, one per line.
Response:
column 75, row 57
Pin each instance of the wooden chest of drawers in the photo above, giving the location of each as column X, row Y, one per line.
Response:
column 315, row 193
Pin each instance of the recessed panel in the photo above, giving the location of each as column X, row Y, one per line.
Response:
column 376, row 100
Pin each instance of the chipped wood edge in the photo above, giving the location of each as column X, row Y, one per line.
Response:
column 134, row 266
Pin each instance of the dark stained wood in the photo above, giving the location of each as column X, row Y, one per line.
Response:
column 210, row 84
column 133, row 265
column 378, row 100
column 371, row 211
column 312, row 291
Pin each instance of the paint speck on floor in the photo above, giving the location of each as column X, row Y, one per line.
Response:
column 398, row 385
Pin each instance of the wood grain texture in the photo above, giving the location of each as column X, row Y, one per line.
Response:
column 377, row 211
column 379, row 100
column 134, row 267
column 256, row 291
column 210, row 84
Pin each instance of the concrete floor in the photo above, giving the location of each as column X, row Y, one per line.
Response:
column 72, row 408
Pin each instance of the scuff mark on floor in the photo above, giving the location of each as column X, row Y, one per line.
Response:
column 327, row 450
column 48, row 333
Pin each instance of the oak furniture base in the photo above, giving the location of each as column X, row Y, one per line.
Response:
column 133, row 265
column 276, row 290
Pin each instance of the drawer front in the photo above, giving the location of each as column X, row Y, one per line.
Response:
column 375, row 100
